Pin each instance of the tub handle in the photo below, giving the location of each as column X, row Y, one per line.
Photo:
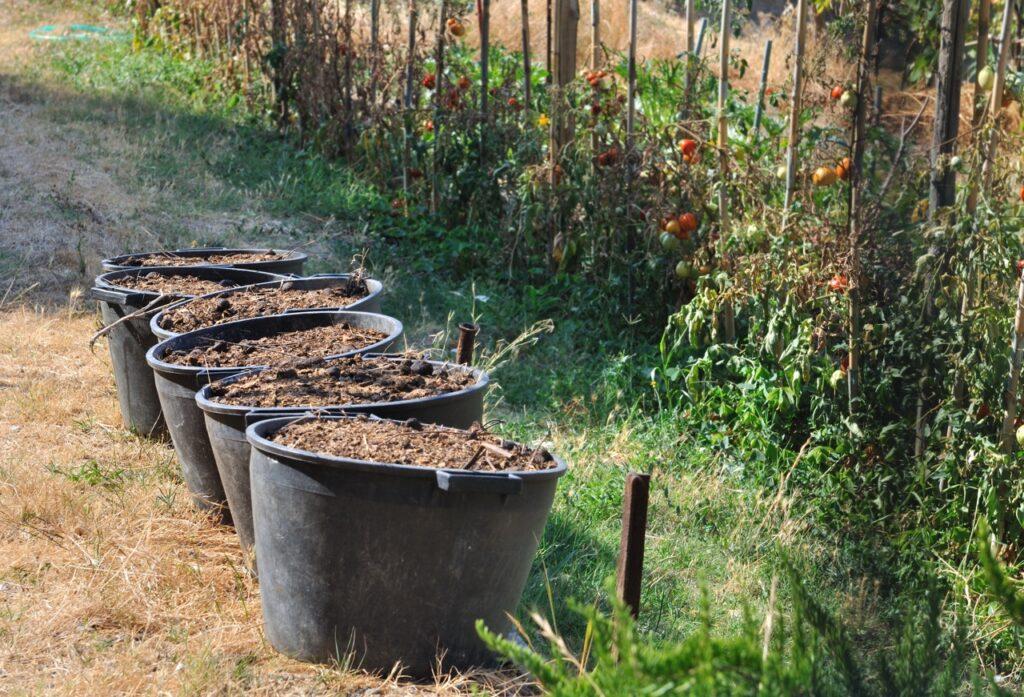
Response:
column 117, row 297
column 479, row 482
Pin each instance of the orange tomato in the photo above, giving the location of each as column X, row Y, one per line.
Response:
column 837, row 92
column 688, row 147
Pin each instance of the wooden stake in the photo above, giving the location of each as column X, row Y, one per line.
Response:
column 794, row 102
column 856, row 222
column 728, row 317
column 630, row 568
column 763, row 87
column 942, row 189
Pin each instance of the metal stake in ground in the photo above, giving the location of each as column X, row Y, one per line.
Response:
column 629, row 574
column 467, row 337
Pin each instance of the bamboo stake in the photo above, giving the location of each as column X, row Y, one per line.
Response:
column 595, row 63
column 794, row 103
column 549, row 49
column 435, row 179
column 978, row 117
column 524, row 11
column 688, row 76
column 484, row 6
column 631, row 83
column 374, row 48
column 410, row 78
column 856, row 214
column 728, row 317
column 996, row 103
column 349, row 50
column 984, row 24
column 763, row 87
column 1006, row 436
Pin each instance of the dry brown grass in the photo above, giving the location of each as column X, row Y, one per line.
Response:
column 110, row 581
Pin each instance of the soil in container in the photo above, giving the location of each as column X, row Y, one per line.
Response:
column 412, row 443
column 356, row 380
column 186, row 285
column 228, row 257
column 259, row 302
column 313, row 342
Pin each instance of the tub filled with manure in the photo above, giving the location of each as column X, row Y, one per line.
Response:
column 278, row 261
column 393, row 538
column 326, row 292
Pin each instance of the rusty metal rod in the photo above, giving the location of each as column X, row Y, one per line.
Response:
column 629, row 574
column 467, row 336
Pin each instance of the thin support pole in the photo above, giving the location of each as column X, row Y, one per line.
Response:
column 765, row 64
column 794, row 102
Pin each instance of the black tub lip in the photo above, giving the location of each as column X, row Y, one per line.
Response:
column 116, row 263
column 375, row 286
column 257, row 433
column 483, row 381
column 110, row 278
column 161, row 366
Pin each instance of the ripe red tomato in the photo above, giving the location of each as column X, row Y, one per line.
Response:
column 688, row 147
column 837, row 92
column 429, row 81
column 687, row 222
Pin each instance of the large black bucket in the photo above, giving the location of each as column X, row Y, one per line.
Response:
column 290, row 262
column 226, row 424
column 392, row 563
column 176, row 386
column 130, row 339
column 370, row 303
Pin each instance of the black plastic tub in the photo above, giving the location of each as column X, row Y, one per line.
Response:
column 393, row 563
column 226, row 425
column 129, row 340
column 370, row 303
column 291, row 261
column 176, row 387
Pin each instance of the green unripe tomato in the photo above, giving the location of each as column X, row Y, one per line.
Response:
column 669, row 242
